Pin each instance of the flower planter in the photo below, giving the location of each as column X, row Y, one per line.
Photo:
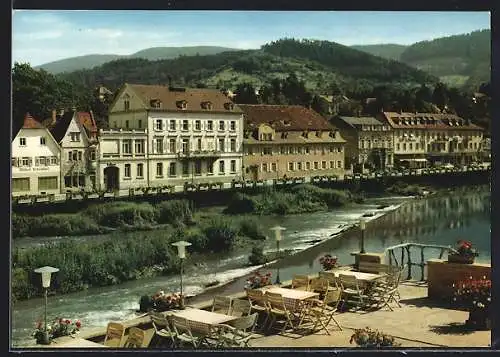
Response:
column 479, row 319
column 461, row 259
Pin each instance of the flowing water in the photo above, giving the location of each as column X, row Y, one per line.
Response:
column 435, row 220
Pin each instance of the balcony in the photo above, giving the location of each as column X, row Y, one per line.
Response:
column 198, row 154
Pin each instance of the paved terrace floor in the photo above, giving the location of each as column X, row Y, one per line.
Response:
column 418, row 323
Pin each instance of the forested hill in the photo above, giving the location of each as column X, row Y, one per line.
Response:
column 320, row 65
column 389, row 50
column 465, row 58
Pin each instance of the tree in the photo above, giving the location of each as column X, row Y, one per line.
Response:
column 245, row 94
column 440, row 96
column 320, row 105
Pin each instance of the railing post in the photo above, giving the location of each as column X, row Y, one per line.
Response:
column 390, row 257
column 409, row 262
column 441, row 253
column 402, row 256
column 422, row 262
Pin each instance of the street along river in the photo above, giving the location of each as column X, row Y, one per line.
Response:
column 435, row 220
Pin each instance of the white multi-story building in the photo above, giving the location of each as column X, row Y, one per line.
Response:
column 170, row 136
column 35, row 160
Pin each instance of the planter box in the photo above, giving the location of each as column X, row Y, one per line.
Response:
column 461, row 259
column 479, row 319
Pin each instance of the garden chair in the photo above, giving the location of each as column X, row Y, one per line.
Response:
column 324, row 312
column 221, row 305
column 277, row 308
column 239, row 332
column 352, row 291
column 240, row 307
column 258, row 302
column 114, row 334
column 135, row 338
column 205, row 334
column 183, row 331
column 387, row 292
column 320, row 285
column 162, row 328
column 300, row 282
column 333, row 281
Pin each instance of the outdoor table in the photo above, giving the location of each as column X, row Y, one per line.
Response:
column 202, row 316
column 76, row 343
column 364, row 277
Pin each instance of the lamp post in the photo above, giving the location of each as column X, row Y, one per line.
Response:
column 46, row 273
column 277, row 234
column 362, row 226
column 181, row 251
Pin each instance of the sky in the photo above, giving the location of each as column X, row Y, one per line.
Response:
column 41, row 36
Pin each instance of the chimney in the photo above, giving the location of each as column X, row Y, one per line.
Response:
column 54, row 116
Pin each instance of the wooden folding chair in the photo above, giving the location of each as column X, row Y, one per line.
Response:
column 258, row 302
column 221, row 304
column 240, row 331
column 324, row 313
column 135, row 338
column 300, row 282
column 333, row 281
column 162, row 328
column 352, row 291
column 240, row 307
column 277, row 308
column 114, row 334
column 384, row 294
column 183, row 330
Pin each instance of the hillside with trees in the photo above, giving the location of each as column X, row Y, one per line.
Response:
column 389, row 51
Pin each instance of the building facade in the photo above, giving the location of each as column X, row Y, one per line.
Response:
column 75, row 133
column 423, row 139
column 162, row 135
column 368, row 142
column 289, row 141
column 35, row 160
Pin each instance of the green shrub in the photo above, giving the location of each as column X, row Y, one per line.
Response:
column 250, row 227
column 257, row 256
column 240, row 204
column 220, row 234
column 118, row 214
column 53, row 225
column 174, row 212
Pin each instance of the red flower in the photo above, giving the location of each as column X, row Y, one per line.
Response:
column 68, row 322
column 78, row 324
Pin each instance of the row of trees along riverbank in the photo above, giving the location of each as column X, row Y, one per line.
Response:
column 118, row 258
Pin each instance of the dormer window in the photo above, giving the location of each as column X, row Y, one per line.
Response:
column 181, row 104
column 318, row 134
column 284, row 135
column 206, row 105
column 155, row 103
column 228, row 106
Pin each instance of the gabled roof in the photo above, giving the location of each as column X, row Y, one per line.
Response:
column 284, row 117
column 86, row 119
column 59, row 130
column 31, row 123
column 360, row 120
column 170, row 97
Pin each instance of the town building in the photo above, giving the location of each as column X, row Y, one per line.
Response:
column 163, row 135
column 368, row 142
column 422, row 139
column 76, row 134
column 35, row 160
column 289, row 141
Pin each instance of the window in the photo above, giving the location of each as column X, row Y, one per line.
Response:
column 185, row 168
column 159, row 124
column 26, row 161
column 290, row 166
column 233, row 166
column 323, row 165
column 411, row 146
column 185, row 125
column 185, row 146
column 171, row 145
column 339, row 164
column 299, row 166
column 92, row 156
column 172, row 125
column 159, row 169
column 273, row 167
column 126, row 124
column 67, row 181
column 140, row 170
column 221, row 124
column 79, row 156
column 127, row 146
column 47, row 183
column 198, row 144
column 197, row 125
column 139, row 146
column 210, row 125
column 75, row 136
column 404, row 146
column 264, row 167
column 210, row 168
column 221, row 167
column 232, row 125
column 267, row 151
column 22, row 142
column 42, row 140
column 316, row 165
column 20, row 184
column 139, row 123
column 159, row 145
column 197, row 167
column 398, row 146
column 307, row 150
column 233, row 145
column 126, row 104
column 332, row 164
column 127, row 171
column 221, row 145
column 308, row 165
column 172, row 169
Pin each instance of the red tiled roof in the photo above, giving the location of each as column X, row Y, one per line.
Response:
column 428, row 121
column 284, row 117
column 194, row 98
column 31, row 123
column 87, row 120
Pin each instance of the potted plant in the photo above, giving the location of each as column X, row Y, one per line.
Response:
column 465, row 253
column 475, row 296
column 159, row 302
column 328, row 262
column 369, row 338
column 258, row 280
column 58, row 328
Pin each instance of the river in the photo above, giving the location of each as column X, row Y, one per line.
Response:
column 435, row 220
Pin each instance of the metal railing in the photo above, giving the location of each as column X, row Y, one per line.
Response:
column 406, row 253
